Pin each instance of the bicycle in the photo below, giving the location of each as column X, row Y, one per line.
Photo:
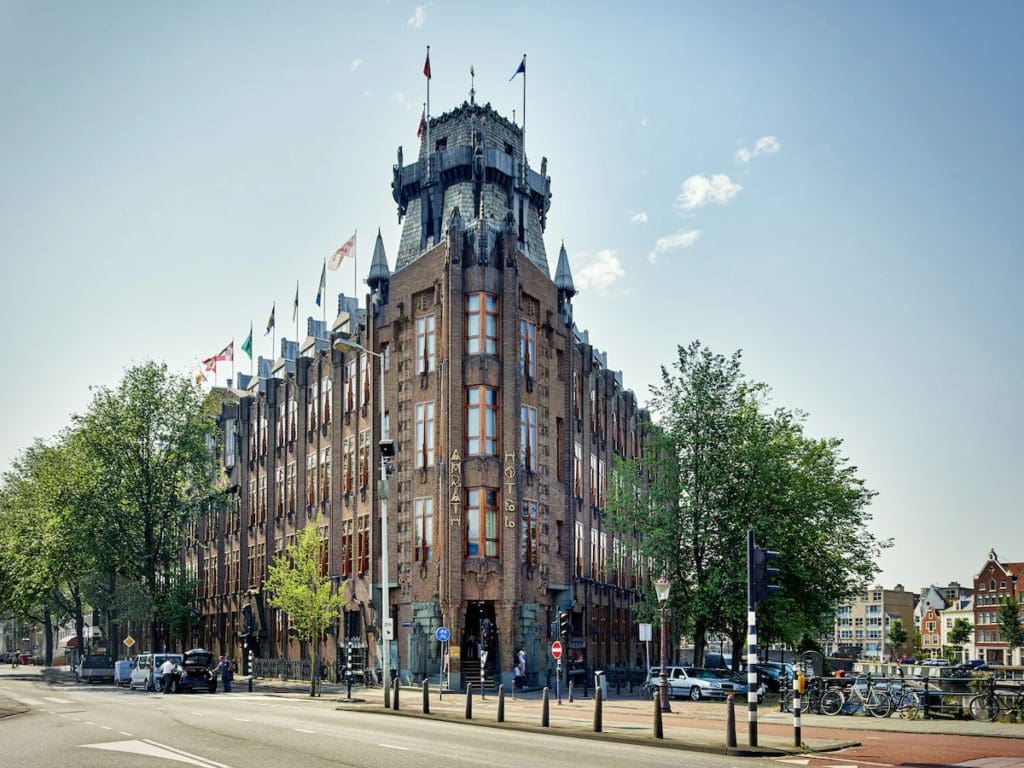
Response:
column 906, row 701
column 810, row 701
column 874, row 702
column 987, row 706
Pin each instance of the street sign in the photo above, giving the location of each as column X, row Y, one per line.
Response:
column 406, row 624
column 129, row 641
column 389, row 629
column 443, row 634
column 645, row 633
column 556, row 649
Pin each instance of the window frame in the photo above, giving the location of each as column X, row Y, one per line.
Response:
column 482, row 317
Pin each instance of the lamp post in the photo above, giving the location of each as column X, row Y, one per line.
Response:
column 661, row 588
column 343, row 344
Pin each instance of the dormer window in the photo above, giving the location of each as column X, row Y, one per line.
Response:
column 441, row 144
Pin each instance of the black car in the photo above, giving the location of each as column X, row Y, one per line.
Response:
column 979, row 665
column 196, row 672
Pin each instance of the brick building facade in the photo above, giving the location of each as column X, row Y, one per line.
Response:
column 505, row 419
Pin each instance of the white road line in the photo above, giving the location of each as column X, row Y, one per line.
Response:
column 392, row 746
column 77, row 719
column 183, row 753
column 847, row 764
column 89, row 722
column 242, row 720
column 106, row 728
column 58, row 700
column 302, row 730
column 29, row 702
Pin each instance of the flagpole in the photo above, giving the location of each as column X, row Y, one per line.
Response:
column 355, row 264
column 428, row 119
column 250, row 350
column 525, row 178
column 323, row 303
column 232, row 359
column 295, row 311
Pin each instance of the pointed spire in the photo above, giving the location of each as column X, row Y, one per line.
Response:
column 379, row 271
column 563, row 275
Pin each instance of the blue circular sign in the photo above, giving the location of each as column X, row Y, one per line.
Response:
column 443, row 634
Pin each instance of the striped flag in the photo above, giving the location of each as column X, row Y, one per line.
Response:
column 270, row 322
column 322, row 290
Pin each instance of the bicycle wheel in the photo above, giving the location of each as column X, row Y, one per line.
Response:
column 786, row 701
column 908, row 706
column 879, row 704
column 832, row 702
column 984, row 707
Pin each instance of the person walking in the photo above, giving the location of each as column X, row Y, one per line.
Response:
column 227, row 674
column 521, row 658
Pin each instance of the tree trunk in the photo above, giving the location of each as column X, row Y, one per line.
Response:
column 79, row 622
column 699, row 642
column 313, row 672
column 48, row 636
column 738, row 639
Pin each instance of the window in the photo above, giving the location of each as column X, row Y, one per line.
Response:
column 350, row 385
column 364, row 459
column 311, row 407
column 363, row 543
column 592, row 489
column 482, row 421
column 311, row 467
column 325, row 474
column 482, row 522
column 291, row 486
column 293, row 417
column 364, row 377
column 579, row 548
column 424, row 435
column 594, row 555
column 425, row 344
column 279, row 428
column 348, row 464
column 279, row 492
column 325, row 551
column 347, row 527
column 528, row 551
column 325, row 401
column 577, row 470
column 262, row 508
column 481, row 324
column 528, row 348
column 528, row 437
column 424, row 528
column 602, row 483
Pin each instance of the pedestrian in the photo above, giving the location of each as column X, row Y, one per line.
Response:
column 166, row 675
column 521, row 658
column 517, row 676
column 227, row 673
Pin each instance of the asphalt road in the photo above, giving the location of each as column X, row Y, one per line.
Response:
column 74, row 725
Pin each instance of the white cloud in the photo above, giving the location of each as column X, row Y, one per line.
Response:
column 600, row 271
column 766, row 145
column 643, row 121
column 356, row 63
column 401, row 98
column 699, row 190
column 676, row 242
column 418, row 16
column 639, row 218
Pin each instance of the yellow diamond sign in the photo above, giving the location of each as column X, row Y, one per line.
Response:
column 129, row 641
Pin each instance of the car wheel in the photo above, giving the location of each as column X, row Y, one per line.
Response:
column 695, row 694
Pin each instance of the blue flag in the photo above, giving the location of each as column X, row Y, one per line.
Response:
column 522, row 69
column 323, row 285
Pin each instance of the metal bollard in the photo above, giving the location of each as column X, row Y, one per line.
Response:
column 469, row 701
column 396, row 694
column 926, row 698
column 730, row 721
column 659, row 731
column 250, row 683
column 570, row 691
column 501, row 702
column 387, row 694
column 618, row 685
column 598, row 701
column 426, row 697
column 797, row 739
column 545, row 719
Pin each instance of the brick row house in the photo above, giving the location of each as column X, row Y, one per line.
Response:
column 506, row 422
column 996, row 581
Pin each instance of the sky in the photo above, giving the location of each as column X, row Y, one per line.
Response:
column 833, row 189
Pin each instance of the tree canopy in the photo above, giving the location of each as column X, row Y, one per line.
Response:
column 718, row 461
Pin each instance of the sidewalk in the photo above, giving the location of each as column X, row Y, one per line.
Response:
column 698, row 726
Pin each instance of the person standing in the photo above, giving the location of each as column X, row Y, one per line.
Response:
column 167, row 675
column 521, row 658
column 227, row 674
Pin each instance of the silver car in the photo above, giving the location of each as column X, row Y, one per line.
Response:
column 697, row 683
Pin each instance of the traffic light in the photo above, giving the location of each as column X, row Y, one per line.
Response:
column 760, row 574
column 564, row 626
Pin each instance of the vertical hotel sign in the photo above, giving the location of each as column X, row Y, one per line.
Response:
column 455, row 489
column 510, row 489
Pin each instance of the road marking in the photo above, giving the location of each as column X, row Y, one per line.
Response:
column 58, row 700
column 797, row 761
column 392, row 746
column 89, row 722
column 29, row 702
column 242, row 720
column 302, row 730
column 124, row 733
column 106, row 728
column 153, row 749
column 77, row 719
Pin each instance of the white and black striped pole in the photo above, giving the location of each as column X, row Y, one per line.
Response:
column 797, row 690
column 751, row 644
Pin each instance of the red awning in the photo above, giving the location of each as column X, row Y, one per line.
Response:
column 71, row 642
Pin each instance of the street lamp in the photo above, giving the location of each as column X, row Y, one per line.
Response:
column 343, row 344
column 661, row 589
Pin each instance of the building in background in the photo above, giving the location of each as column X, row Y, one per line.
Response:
column 959, row 609
column 862, row 625
column 996, row 581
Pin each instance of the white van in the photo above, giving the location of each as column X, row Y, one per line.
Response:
column 146, row 670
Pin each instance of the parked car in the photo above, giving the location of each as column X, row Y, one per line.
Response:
column 95, row 668
column 698, row 683
column 935, row 663
column 146, row 670
column 195, row 672
column 773, row 676
column 979, row 665
column 907, row 660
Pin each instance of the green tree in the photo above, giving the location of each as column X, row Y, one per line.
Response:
column 1011, row 631
column 151, row 441
column 718, row 461
column 959, row 634
column 898, row 636
column 298, row 585
column 177, row 605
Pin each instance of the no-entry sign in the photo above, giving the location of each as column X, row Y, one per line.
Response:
column 556, row 649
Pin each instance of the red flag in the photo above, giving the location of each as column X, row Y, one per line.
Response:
column 210, row 363
column 227, row 354
column 423, row 123
column 426, row 67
